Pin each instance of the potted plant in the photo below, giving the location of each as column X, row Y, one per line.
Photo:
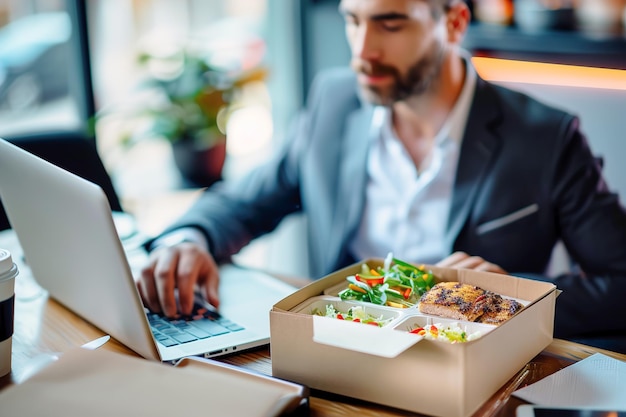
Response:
column 189, row 101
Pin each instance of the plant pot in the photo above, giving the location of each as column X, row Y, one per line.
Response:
column 600, row 16
column 535, row 16
column 199, row 167
column 498, row 12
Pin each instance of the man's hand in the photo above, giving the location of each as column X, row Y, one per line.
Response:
column 461, row 260
column 184, row 267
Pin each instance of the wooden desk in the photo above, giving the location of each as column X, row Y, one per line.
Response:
column 44, row 326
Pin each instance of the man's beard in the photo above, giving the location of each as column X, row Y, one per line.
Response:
column 418, row 80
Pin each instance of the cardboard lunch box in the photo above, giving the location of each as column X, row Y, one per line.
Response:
column 391, row 366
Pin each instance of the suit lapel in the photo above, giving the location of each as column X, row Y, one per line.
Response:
column 352, row 177
column 478, row 147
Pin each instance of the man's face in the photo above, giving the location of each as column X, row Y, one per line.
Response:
column 397, row 47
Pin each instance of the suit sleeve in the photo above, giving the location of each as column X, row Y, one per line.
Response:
column 593, row 229
column 232, row 213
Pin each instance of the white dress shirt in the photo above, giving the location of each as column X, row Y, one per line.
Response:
column 406, row 211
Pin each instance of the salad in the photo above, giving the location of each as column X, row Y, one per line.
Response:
column 452, row 333
column 396, row 284
column 356, row 314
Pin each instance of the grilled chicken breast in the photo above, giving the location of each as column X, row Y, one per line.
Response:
column 453, row 300
column 499, row 309
column 467, row 302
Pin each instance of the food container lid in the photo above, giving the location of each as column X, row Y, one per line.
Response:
column 7, row 268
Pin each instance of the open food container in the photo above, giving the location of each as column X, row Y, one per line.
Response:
column 397, row 362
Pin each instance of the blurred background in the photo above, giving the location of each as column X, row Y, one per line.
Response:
column 176, row 94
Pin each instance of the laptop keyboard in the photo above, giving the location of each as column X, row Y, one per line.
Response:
column 201, row 324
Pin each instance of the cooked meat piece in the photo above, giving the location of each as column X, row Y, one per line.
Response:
column 454, row 300
column 499, row 309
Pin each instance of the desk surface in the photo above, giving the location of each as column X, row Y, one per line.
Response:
column 43, row 326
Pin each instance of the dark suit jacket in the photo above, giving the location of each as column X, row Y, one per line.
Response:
column 526, row 178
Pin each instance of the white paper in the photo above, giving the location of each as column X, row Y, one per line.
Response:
column 598, row 381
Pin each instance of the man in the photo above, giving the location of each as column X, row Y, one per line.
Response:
column 411, row 152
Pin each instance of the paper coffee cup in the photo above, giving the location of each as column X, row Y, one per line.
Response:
column 8, row 272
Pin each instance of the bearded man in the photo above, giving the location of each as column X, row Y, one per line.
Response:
column 409, row 151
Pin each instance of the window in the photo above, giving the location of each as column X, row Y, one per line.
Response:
column 45, row 83
column 120, row 30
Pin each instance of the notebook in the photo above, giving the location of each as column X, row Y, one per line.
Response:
column 68, row 235
column 87, row 383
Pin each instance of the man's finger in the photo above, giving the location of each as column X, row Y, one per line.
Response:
column 165, row 280
column 462, row 260
column 453, row 259
column 147, row 290
column 188, row 274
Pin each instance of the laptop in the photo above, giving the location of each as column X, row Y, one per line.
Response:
column 70, row 242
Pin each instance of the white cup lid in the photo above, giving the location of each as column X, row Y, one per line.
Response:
column 6, row 262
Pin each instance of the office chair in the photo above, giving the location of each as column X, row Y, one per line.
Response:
column 73, row 152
